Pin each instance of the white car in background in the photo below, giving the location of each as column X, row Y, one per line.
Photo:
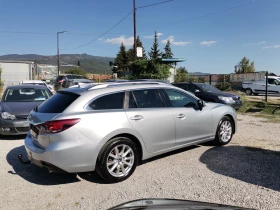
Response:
column 256, row 87
column 38, row 82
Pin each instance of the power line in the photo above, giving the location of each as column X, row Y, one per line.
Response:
column 214, row 13
column 150, row 5
column 116, row 25
column 101, row 34
column 53, row 33
column 73, row 33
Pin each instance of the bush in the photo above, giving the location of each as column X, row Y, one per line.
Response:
column 76, row 70
column 148, row 69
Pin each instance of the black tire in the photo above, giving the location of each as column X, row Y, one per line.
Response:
column 255, row 94
column 101, row 165
column 248, row 91
column 219, row 141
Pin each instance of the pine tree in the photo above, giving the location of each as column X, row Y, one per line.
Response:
column 155, row 52
column 168, row 53
column 130, row 52
column 121, row 59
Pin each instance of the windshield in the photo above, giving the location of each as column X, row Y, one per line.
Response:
column 208, row 88
column 26, row 95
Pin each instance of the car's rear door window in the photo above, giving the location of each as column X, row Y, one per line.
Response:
column 146, row 98
column 57, row 103
column 110, row 101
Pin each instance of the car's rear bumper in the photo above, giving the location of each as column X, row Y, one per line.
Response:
column 61, row 157
column 14, row 127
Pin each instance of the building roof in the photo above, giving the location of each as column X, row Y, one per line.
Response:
column 173, row 60
column 13, row 61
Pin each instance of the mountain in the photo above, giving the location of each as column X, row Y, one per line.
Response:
column 198, row 74
column 91, row 64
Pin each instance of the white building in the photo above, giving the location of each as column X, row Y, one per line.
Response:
column 13, row 72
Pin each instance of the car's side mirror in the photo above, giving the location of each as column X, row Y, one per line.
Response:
column 201, row 104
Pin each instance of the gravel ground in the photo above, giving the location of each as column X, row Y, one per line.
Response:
column 244, row 173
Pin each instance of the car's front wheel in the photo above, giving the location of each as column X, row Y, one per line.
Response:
column 224, row 131
column 117, row 160
column 248, row 91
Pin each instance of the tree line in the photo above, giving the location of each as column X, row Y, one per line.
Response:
column 144, row 67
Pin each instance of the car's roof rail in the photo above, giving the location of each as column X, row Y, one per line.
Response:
column 108, row 85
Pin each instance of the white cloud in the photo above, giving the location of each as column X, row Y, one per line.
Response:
column 118, row 40
column 100, row 39
column 262, row 42
column 207, row 43
column 171, row 39
column 255, row 43
column 275, row 46
column 152, row 36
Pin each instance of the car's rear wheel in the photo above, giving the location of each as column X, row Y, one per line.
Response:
column 224, row 131
column 117, row 160
column 248, row 91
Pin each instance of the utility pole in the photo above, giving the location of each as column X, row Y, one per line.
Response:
column 134, row 21
column 58, row 56
column 266, row 84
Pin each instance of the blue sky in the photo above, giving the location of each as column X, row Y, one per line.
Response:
column 212, row 44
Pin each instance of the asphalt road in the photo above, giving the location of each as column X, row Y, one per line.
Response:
column 244, row 173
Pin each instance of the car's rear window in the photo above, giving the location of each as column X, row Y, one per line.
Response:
column 57, row 103
column 59, row 78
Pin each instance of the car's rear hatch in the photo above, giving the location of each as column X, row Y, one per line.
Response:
column 47, row 112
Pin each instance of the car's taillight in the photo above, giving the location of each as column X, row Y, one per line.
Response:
column 56, row 126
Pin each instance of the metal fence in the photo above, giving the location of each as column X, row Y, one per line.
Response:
column 234, row 81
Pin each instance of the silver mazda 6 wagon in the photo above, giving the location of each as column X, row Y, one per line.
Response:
column 110, row 128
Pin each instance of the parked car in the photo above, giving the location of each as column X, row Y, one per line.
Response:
column 17, row 102
column 38, row 82
column 68, row 80
column 209, row 93
column 257, row 87
column 111, row 129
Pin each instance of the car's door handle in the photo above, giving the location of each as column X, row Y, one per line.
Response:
column 137, row 117
column 180, row 116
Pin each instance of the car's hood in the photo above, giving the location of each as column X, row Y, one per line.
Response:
column 225, row 94
column 156, row 204
column 19, row 108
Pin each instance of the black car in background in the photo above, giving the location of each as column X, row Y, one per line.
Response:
column 68, row 80
column 209, row 93
column 16, row 104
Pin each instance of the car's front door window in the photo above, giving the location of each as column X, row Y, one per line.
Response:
column 180, row 99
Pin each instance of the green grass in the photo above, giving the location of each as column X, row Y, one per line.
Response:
column 260, row 108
